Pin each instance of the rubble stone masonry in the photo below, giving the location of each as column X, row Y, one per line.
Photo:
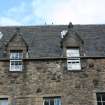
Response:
column 48, row 78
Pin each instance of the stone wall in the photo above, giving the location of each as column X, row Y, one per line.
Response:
column 49, row 78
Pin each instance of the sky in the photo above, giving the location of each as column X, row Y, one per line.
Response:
column 58, row 12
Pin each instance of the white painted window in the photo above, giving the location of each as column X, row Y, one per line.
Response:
column 16, row 60
column 73, row 59
column 4, row 101
column 100, row 98
column 16, row 55
column 52, row 101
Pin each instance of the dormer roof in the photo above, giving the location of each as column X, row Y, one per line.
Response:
column 44, row 41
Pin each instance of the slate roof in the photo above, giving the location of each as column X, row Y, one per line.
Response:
column 44, row 41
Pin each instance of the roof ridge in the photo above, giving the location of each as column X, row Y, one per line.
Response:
column 52, row 25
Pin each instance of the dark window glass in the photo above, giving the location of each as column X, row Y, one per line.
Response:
column 103, row 97
column 12, row 63
column 103, row 103
column 46, row 102
column 98, row 97
column 51, row 101
column 99, row 103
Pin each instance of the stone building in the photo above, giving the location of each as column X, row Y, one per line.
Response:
column 52, row 65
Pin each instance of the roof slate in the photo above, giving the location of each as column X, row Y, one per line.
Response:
column 44, row 41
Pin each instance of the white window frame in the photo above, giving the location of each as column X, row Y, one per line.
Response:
column 57, row 100
column 73, row 59
column 16, row 63
column 16, row 55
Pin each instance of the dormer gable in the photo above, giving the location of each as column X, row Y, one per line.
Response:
column 72, row 38
column 17, row 42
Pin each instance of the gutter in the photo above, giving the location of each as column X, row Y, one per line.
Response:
column 56, row 58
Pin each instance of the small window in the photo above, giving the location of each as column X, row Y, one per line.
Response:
column 100, row 98
column 4, row 101
column 52, row 101
column 73, row 59
column 16, row 60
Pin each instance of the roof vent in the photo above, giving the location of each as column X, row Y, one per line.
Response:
column 63, row 33
column 1, row 35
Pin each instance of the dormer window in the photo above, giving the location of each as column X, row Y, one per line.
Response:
column 16, row 63
column 73, row 59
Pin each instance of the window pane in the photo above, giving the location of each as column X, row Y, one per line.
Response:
column 57, row 101
column 72, row 52
column 12, row 62
column 18, row 62
column 51, row 101
column 18, row 68
column 103, row 97
column 3, row 101
column 98, row 97
column 16, row 54
column 46, row 102
column 99, row 103
column 103, row 103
